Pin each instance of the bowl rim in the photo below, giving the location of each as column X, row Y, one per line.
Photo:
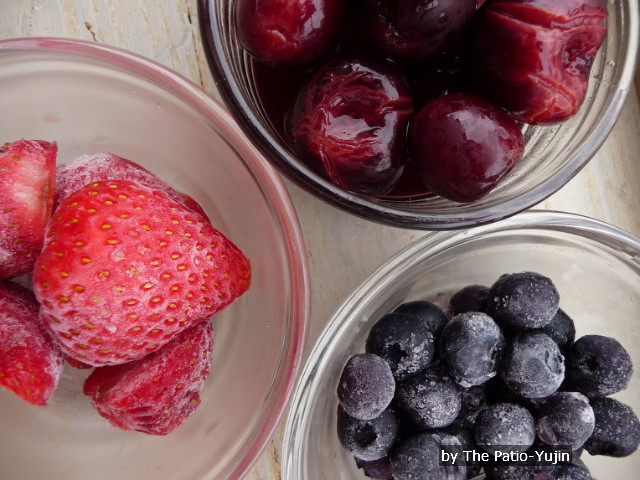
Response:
column 346, row 316
column 266, row 177
column 325, row 190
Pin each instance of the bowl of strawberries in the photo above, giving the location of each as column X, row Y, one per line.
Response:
column 154, row 292
column 421, row 114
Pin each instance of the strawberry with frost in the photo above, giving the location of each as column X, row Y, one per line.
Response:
column 125, row 267
column 98, row 167
column 157, row 393
column 30, row 362
column 27, row 180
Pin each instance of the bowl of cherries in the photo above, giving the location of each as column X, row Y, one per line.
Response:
column 421, row 114
column 502, row 352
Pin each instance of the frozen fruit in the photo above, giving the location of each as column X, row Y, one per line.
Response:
column 155, row 394
column 370, row 439
column 598, row 365
column 505, row 427
column 404, row 341
column 463, row 145
column 561, row 329
column 417, row 30
column 532, row 365
column 100, row 167
column 288, row 31
column 565, row 419
column 349, row 123
column 471, row 347
column 417, row 457
column 472, row 298
column 27, row 180
column 366, row 386
column 125, row 267
column 429, row 313
column 617, row 430
column 429, row 399
column 524, row 300
column 30, row 362
column 534, row 57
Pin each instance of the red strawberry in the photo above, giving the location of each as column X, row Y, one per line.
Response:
column 101, row 167
column 125, row 267
column 30, row 363
column 157, row 393
column 27, row 176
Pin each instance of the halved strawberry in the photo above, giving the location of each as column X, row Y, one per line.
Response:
column 125, row 267
column 99, row 167
column 27, row 176
column 30, row 362
column 156, row 394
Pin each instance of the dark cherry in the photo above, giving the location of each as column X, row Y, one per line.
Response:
column 533, row 57
column 464, row 145
column 288, row 31
column 350, row 123
column 416, row 30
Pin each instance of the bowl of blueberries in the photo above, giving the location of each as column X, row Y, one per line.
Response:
column 503, row 352
column 421, row 114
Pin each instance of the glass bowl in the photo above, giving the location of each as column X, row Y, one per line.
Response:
column 93, row 98
column 553, row 155
column 595, row 266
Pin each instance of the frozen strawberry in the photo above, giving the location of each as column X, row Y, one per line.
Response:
column 30, row 362
column 99, row 167
column 125, row 267
column 156, row 394
column 27, row 176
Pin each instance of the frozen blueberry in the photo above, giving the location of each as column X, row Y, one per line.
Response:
column 506, row 427
column 565, row 419
column 523, row 300
column 404, row 341
column 472, row 298
column 571, row 472
column 429, row 399
column 366, row 386
column 561, row 329
column 470, row 348
column 377, row 469
column 598, row 365
column 428, row 312
column 532, row 365
column 418, row 458
column 617, row 432
column 368, row 439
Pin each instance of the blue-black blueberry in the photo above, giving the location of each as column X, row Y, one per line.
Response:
column 523, row 300
column 368, row 439
column 366, row 387
column 404, row 341
column 532, row 365
column 471, row 347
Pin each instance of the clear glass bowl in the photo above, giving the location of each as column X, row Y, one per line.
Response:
column 553, row 155
column 595, row 266
column 92, row 98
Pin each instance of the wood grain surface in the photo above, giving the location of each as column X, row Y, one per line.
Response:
column 167, row 32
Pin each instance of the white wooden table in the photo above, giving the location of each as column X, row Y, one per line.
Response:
column 167, row 31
